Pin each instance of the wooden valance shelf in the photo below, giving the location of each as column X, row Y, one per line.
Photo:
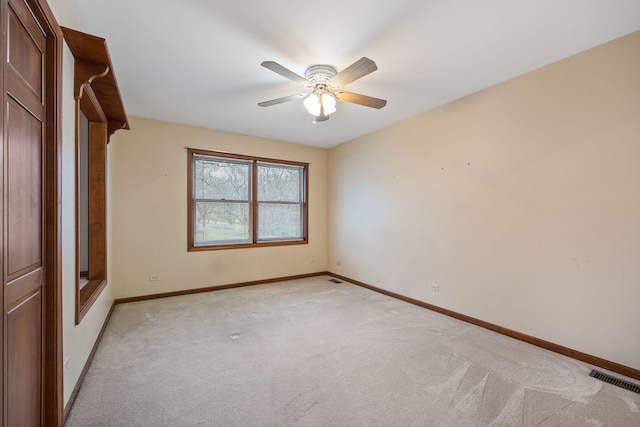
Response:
column 95, row 78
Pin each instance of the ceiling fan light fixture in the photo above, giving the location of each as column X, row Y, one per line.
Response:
column 326, row 84
column 319, row 102
column 328, row 103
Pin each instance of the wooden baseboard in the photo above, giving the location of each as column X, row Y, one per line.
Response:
column 87, row 364
column 556, row 348
column 216, row 288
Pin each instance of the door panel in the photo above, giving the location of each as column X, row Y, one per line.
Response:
column 24, row 347
column 25, row 59
column 16, row 290
column 23, row 243
column 24, row 53
column 23, row 213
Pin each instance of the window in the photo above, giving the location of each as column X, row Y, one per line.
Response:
column 240, row 201
column 99, row 113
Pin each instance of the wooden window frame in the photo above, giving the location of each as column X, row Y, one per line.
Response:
column 253, row 202
column 98, row 98
column 97, row 206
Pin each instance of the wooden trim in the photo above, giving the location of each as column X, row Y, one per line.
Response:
column 3, row 54
column 190, row 202
column 217, row 288
column 87, row 296
column 97, row 153
column 89, row 104
column 98, row 97
column 77, row 208
column 253, row 202
column 247, row 245
column 96, row 163
column 87, row 364
column 85, row 73
column 556, row 348
column 305, row 224
column 245, row 157
column 53, row 394
column 93, row 68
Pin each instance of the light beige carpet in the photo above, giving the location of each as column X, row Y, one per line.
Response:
column 313, row 353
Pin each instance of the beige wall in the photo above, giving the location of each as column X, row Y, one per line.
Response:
column 522, row 202
column 148, row 225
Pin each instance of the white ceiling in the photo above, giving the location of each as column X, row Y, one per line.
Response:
column 197, row 62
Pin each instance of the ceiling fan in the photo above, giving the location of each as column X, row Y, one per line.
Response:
column 326, row 83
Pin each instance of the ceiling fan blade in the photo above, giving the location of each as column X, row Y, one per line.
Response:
column 360, row 68
column 285, row 72
column 356, row 98
column 281, row 100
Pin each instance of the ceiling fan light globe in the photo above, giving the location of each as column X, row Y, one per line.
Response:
column 312, row 104
column 328, row 103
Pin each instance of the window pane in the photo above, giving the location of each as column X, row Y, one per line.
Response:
column 279, row 183
column 221, row 180
column 279, row 221
column 221, row 222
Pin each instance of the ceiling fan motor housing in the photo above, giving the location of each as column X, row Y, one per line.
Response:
column 320, row 74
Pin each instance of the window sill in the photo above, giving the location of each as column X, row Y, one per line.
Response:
column 247, row 245
column 87, row 296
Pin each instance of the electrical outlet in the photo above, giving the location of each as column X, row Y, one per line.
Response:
column 434, row 287
column 338, row 262
column 66, row 364
column 312, row 261
column 154, row 278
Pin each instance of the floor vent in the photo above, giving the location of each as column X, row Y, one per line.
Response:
column 335, row 280
column 615, row 381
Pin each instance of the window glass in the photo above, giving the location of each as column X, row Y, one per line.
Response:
column 221, row 222
column 279, row 221
column 279, row 183
column 221, row 179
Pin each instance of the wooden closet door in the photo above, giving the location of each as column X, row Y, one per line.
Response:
column 23, row 215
